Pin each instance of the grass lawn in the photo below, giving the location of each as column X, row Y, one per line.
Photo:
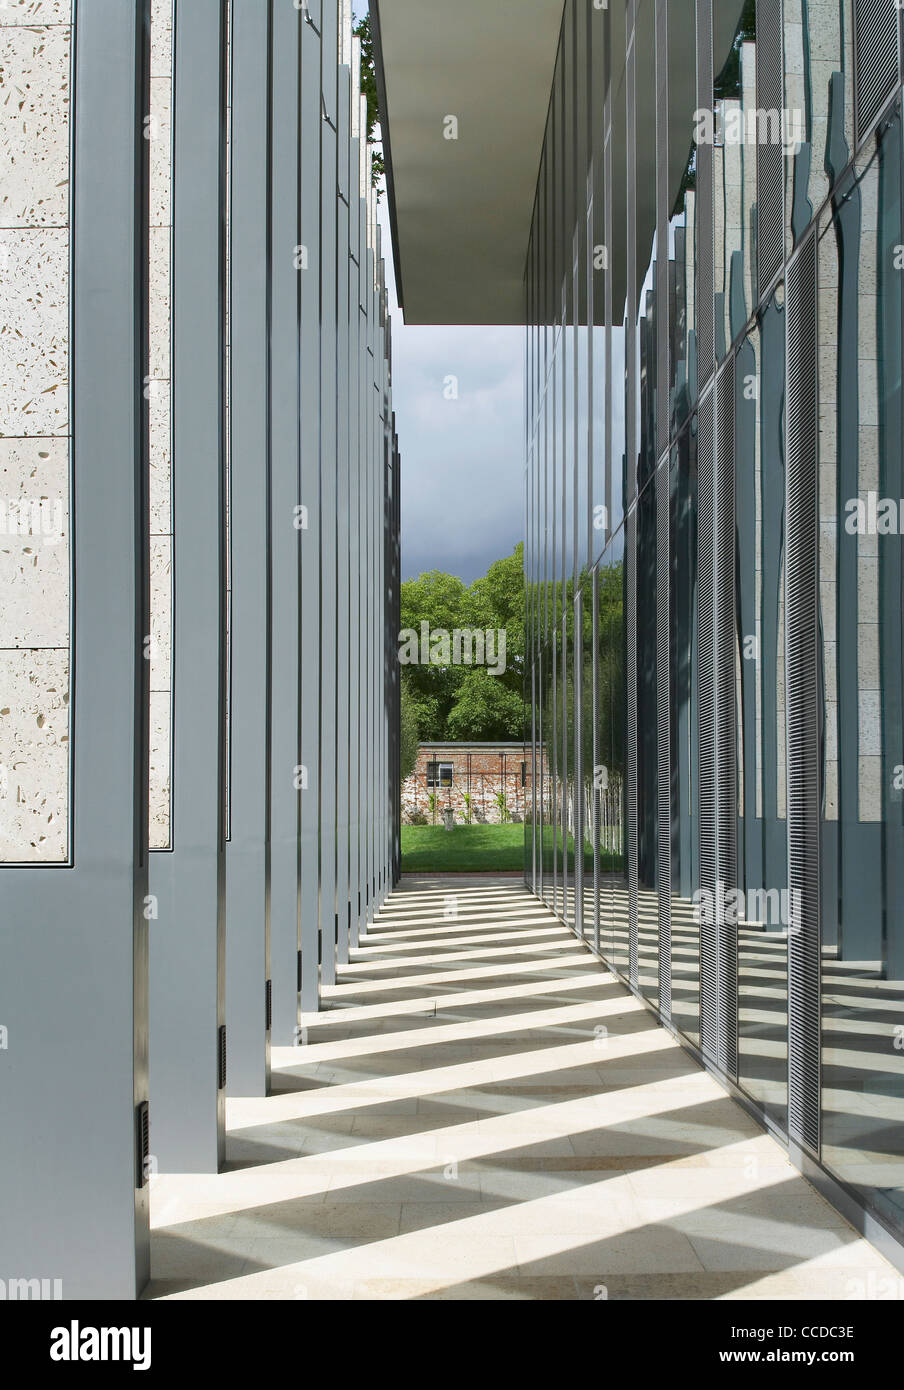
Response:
column 473, row 849
column 466, row 849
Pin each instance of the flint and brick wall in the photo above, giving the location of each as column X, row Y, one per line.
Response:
column 481, row 771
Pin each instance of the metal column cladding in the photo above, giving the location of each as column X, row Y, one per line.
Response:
column 770, row 154
column 801, row 665
column 343, row 496
column 309, row 974
column 289, row 779
column 328, row 486
column 187, row 946
column 248, row 851
column 73, row 949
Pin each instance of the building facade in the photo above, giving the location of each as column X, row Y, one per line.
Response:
column 714, row 548
column 199, row 776
column 481, row 783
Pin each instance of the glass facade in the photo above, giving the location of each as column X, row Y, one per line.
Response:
column 714, row 562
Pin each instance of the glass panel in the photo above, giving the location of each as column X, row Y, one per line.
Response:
column 734, row 180
column 647, row 749
column 762, row 827
column 819, row 101
column 861, row 573
column 612, row 648
column 683, row 742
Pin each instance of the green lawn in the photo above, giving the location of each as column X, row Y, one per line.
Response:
column 470, row 849
column 466, row 849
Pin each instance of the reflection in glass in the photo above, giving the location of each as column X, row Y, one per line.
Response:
column 818, row 59
column 734, row 181
column 612, row 742
column 683, row 735
column 647, row 750
column 762, row 825
column 860, row 583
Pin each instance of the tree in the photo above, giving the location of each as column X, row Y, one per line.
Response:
column 442, row 602
column 486, row 710
column 410, row 736
column 362, row 30
column 468, row 702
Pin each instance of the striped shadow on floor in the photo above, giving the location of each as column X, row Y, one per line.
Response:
column 482, row 1111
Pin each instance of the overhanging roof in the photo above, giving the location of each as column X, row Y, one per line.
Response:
column 461, row 209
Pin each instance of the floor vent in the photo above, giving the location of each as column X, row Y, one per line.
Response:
column 221, row 1057
column 142, row 1143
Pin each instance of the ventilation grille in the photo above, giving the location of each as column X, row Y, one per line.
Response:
column 142, row 1143
column 726, row 716
column 663, row 721
column 221, row 1057
column 631, row 789
column 706, row 726
column 801, row 662
column 268, row 1005
column 876, row 59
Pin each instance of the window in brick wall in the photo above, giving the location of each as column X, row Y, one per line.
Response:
column 439, row 774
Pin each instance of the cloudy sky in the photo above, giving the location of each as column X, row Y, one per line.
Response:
column 462, row 460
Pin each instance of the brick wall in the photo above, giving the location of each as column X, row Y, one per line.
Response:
column 482, row 771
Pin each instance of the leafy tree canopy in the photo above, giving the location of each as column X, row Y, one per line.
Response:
column 467, row 702
column 362, row 30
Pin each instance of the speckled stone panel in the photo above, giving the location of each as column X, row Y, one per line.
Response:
column 35, row 556
column 34, row 756
column 161, row 38
column 43, row 12
column 34, row 127
column 34, row 542
column 160, row 739
column 160, row 425
column 34, row 331
column 159, row 392
column 161, row 613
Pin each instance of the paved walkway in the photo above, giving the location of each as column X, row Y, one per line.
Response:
column 482, row 1111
